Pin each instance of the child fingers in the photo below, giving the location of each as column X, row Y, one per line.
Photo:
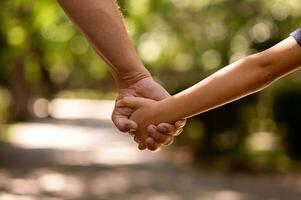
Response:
column 166, row 128
column 180, row 124
column 178, row 132
column 168, row 141
column 159, row 137
column 131, row 102
column 172, row 130
column 179, row 127
column 152, row 145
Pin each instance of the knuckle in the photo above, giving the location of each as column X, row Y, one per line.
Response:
column 150, row 129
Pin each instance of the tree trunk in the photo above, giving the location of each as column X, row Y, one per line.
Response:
column 20, row 90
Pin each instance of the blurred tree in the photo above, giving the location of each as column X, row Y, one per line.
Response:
column 287, row 112
column 43, row 54
column 180, row 41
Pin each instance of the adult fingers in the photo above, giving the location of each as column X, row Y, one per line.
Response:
column 123, row 123
column 158, row 137
column 136, row 139
column 142, row 146
column 152, row 145
column 131, row 102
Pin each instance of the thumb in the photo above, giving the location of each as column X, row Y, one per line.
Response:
column 132, row 102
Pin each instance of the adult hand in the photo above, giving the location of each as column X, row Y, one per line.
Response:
column 162, row 134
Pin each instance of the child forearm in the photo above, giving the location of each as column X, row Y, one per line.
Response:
column 235, row 81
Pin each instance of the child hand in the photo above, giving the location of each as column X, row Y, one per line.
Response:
column 145, row 113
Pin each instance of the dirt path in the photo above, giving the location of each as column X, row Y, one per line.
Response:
column 99, row 163
column 89, row 159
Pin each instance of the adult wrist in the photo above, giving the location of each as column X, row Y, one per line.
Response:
column 127, row 79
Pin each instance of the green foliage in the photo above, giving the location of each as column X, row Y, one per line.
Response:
column 44, row 38
column 181, row 39
column 181, row 42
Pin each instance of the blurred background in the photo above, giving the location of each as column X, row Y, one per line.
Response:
column 56, row 96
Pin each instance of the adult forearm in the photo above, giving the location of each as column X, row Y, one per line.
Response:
column 102, row 24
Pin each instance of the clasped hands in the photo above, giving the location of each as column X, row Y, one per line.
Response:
column 132, row 115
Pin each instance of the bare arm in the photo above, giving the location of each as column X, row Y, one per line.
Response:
column 102, row 24
column 235, row 81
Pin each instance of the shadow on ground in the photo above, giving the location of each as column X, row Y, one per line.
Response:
column 89, row 159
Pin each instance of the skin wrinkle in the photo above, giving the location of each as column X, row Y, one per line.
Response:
column 102, row 24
